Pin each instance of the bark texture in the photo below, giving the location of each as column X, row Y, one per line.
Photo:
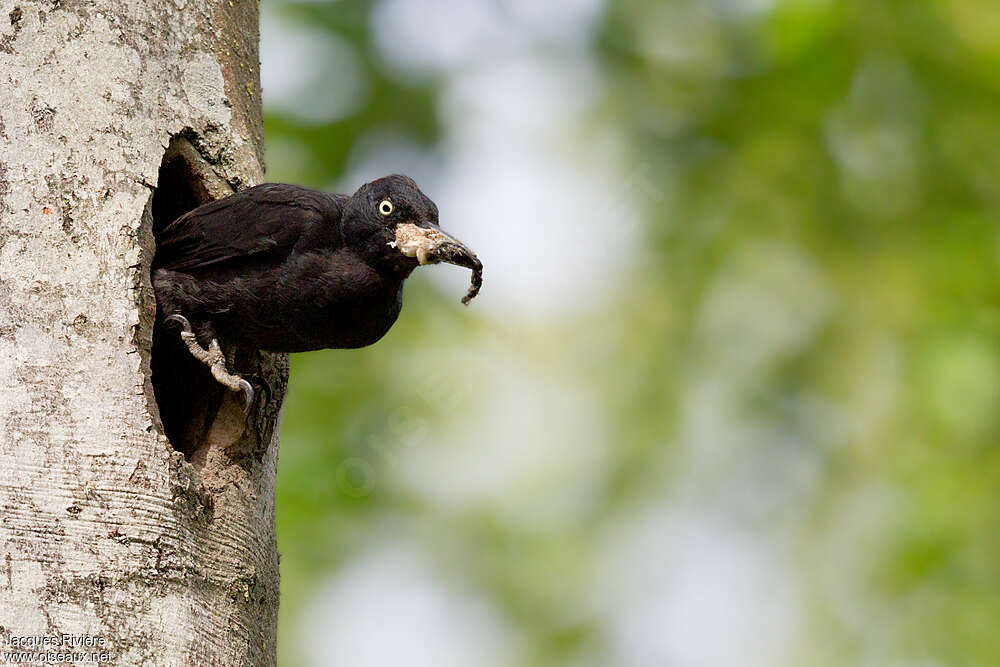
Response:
column 105, row 529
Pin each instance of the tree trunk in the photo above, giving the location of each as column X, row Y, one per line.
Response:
column 115, row 116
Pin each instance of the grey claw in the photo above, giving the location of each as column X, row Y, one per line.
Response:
column 247, row 390
column 180, row 319
column 214, row 359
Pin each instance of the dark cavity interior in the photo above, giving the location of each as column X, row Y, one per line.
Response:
column 187, row 396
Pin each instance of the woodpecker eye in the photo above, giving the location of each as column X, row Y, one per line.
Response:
column 385, row 207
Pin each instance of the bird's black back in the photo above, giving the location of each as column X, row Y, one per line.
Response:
column 264, row 224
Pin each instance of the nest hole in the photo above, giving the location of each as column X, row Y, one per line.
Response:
column 187, row 396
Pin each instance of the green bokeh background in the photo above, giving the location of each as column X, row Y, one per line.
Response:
column 797, row 357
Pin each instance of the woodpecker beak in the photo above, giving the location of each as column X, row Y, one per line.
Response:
column 430, row 245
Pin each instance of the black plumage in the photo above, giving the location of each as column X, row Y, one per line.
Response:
column 284, row 268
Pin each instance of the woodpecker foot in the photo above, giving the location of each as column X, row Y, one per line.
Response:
column 215, row 360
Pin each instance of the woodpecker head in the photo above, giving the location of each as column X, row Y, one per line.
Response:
column 395, row 225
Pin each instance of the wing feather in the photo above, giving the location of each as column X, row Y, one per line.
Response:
column 266, row 222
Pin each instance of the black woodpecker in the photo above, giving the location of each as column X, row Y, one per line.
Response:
column 283, row 268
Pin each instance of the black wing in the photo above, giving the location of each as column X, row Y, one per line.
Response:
column 265, row 222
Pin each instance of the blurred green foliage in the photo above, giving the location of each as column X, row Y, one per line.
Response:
column 819, row 196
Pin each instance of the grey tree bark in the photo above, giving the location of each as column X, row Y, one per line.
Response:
column 107, row 531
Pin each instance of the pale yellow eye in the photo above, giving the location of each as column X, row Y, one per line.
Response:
column 385, row 207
